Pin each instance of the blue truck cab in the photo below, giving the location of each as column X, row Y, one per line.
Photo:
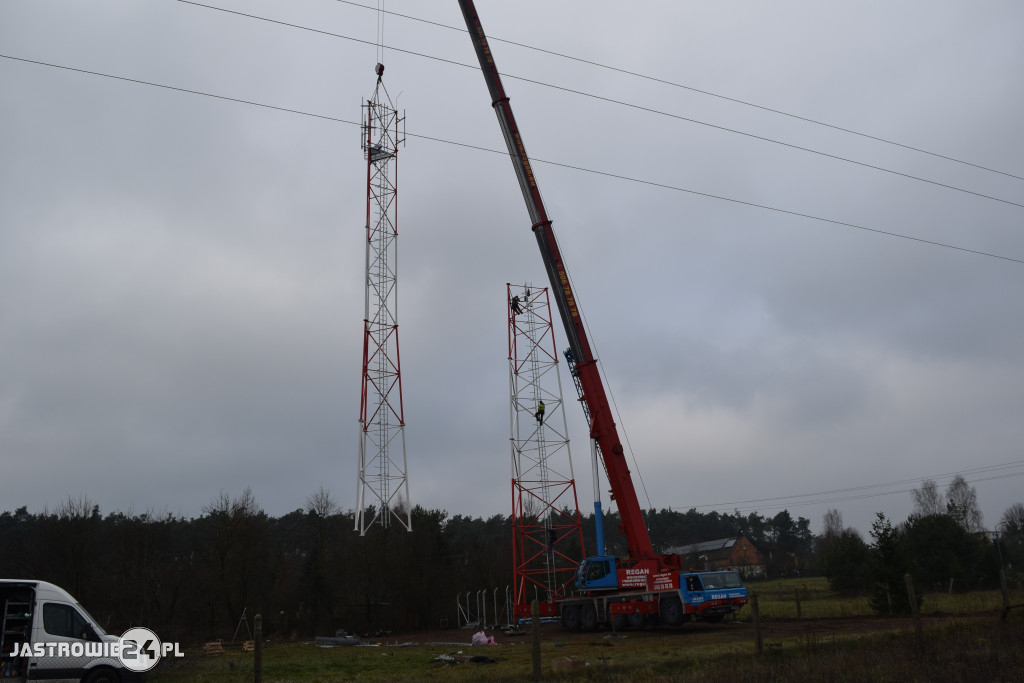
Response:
column 711, row 595
column 597, row 573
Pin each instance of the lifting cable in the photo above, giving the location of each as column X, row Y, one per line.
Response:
column 380, row 31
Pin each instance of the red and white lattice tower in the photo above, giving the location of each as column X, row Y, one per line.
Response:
column 383, row 494
column 547, row 537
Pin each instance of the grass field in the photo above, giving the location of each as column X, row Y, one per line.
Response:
column 837, row 639
column 777, row 599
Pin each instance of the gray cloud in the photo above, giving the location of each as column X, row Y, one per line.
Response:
column 181, row 277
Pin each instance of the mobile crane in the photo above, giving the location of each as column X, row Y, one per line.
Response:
column 644, row 586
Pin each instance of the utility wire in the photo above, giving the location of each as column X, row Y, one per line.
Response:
column 977, row 470
column 582, row 169
column 185, row 90
column 681, row 86
column 829, row 501
column 629, row 105
column 854, row 489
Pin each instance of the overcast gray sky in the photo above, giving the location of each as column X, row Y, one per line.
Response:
column 181, row 276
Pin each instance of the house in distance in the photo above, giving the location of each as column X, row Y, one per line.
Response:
column 725, row 553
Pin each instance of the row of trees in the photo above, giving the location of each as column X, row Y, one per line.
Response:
column 308, row 572
column 942, row 545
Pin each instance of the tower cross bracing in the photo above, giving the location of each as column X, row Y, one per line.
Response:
column 546, row 527
column 383, row 484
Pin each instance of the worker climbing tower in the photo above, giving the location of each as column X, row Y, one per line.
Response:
column 383, row 493
column 547, row 538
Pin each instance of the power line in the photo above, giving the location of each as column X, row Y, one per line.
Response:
column 977, row 470
column 780, row 500
column 681, row 86
column 831, row 501
column 629, row 105
column 582, row 169
column 177, row 89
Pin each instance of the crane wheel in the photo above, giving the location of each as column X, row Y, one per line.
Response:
column 571, row 618
column 671, row 611
column 588, row 618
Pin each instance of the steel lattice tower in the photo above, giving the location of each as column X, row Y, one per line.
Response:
column 383, row 493
column 547, row 534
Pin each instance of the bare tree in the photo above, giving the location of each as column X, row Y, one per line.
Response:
column 928, row 500
column 833, row 523
column 1012, row 521
column 238, row 543
column 962, row 504
column 71, row 533
column 321, row 504
column 321, row 565
column 76, row 508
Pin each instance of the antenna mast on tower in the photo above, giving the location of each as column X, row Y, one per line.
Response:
column 383, row 486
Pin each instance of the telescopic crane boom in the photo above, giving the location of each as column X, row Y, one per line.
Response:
column 602, row 423
column 642, row 588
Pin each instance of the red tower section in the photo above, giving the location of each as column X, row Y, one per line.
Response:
column 547, row 538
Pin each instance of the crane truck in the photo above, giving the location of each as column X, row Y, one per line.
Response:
column 643, row 587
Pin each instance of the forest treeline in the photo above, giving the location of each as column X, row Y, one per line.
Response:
column 308, row 572
column 942, row 545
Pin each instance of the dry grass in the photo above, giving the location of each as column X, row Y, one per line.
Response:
column 963, row 640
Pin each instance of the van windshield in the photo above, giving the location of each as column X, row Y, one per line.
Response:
column 95, row 624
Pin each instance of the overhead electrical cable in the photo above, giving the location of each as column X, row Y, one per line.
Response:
column 184, row 90
column 535, row 160
column 681, row 86
column 629, row 105
column 841, row 499
column 988, row 469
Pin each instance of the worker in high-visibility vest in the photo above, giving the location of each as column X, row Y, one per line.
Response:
column 540, row 412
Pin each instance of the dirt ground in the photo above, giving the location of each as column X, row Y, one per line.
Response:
column 773, row 629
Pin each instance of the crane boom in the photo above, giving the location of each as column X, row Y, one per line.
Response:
column 602, row 427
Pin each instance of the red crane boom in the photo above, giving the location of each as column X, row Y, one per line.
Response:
column 602, row 422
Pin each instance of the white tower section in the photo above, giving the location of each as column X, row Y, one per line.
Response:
column 383, row 486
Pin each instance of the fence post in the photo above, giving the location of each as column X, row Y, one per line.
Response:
column 257, row 666
column 755, row 614
column 799, row 611
column 535, row 629
column 913, row 606
column 1005, row 592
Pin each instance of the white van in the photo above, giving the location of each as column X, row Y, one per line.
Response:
column 46, row 635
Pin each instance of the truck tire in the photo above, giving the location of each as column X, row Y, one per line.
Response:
column 571, row 618
column 588, row 617
column 671, row 611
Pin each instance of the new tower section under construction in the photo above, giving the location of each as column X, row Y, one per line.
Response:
column 547, row 538
column 383, row 485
